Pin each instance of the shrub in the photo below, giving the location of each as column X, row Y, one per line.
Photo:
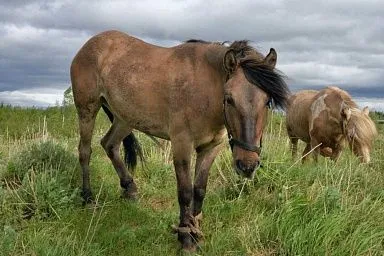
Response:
column 44, row 174
column 40, row 157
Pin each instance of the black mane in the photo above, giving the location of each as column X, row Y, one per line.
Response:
column 242, row 49
column 270, row 80
column 204, row 42
column 197, row 41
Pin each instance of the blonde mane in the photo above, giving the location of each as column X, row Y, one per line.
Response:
column 362, row 125
column 364, row 128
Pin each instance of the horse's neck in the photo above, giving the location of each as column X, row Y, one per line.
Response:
column 215, row 55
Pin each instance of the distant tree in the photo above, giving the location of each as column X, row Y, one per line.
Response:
column 68, row 97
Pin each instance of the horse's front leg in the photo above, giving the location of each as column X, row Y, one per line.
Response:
column 336, row 152
column 315, row 147
column 306, row 152
column 182, row 151
column 204, row 160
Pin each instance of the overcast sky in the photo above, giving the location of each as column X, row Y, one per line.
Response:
column 338, row 42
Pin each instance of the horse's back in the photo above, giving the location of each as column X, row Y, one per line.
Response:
column 106, row 62
column 106, row 45
column 298, row 114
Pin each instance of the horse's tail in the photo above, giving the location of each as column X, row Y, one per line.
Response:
column 132, row 148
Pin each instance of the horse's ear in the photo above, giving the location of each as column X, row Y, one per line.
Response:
column 230, row 61
column 366, row 111
column 271, row 58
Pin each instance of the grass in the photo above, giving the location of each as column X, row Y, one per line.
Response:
column 289, row 209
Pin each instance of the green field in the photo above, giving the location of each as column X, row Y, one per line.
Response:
column 289, row 209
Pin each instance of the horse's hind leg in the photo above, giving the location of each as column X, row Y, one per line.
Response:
column 87, row 117
column 111, row 143
column 86, row 97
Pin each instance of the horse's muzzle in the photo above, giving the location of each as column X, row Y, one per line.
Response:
column 246, row 169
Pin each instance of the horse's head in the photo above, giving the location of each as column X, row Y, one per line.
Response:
column 251, row 85
column 360, row 132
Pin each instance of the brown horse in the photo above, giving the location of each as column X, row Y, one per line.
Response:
column 325, row 119
column 187, row 94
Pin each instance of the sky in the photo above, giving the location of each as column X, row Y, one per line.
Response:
column 319, row 43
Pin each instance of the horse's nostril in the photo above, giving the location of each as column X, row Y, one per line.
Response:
column 257, row 164
column 240, row 165
column 251, row 168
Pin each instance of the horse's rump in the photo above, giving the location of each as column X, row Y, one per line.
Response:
column 298, row 114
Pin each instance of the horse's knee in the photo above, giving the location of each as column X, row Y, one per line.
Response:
column 84, row 154
column 181, row 164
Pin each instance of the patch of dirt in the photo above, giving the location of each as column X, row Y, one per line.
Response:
column 160, row 204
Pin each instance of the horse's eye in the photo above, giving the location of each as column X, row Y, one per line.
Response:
column 229, row 101
column 269, row 103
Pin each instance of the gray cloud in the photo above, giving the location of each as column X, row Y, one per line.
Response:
column 39, row 97
column 318, row 42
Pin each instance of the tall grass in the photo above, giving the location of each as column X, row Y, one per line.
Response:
column 288, row 209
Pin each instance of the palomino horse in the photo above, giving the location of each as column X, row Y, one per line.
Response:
column 187, row 94
column 325, row 119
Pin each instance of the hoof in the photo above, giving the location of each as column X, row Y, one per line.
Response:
column 188, row 251
column 129, row 190
column 190, row 237
column 188, row 244
column 198, row 239
column 129, row 195
column 87, row 196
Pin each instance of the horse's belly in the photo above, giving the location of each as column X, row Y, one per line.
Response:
column 298, row 127
column 153, row 132
column 152, row 127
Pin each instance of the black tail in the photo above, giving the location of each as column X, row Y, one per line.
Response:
column 132, row 148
